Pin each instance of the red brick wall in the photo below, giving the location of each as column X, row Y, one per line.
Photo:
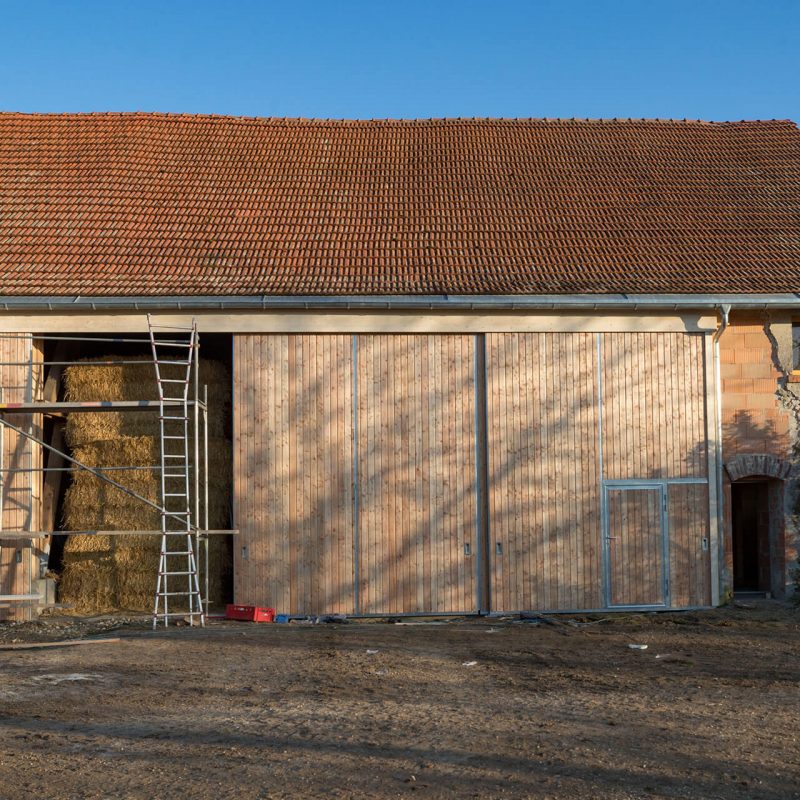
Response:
column 752, row 419
column 755, row 421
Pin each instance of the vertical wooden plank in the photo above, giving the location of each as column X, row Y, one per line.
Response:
column 363, row 453
column 251, row 383
column 261, row 464
column 670, row 391
column 544, row 531
column 235, row 449
column 295, row 415
column 346, row 539
column 379, row 529
column 281, row 478
column 526, row 468
column 590, row 477
column 435, row 456
column 416, row 468
column 574, row 511
column 554, row 424
column 452, row 502
column 426, row 515
column 402, row 467
column 506, row 494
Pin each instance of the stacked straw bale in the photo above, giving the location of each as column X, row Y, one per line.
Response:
column 110, row 573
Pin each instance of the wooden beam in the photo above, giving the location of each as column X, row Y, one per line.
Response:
column 365, row 321
column 91, row 406
column 67, row 643
column 53, row 478
column 44, row 534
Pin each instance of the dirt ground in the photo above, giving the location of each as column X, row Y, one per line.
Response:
column 558, row 708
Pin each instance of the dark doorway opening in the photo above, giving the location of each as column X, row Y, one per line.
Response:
column 750, row 510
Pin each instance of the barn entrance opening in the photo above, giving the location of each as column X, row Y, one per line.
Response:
column 119, row 572
column 750, row 517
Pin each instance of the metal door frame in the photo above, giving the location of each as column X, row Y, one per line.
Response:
column 646, row 485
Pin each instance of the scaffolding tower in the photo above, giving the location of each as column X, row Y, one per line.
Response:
column 183, row 427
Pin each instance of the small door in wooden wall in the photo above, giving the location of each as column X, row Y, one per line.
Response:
column 635, row 545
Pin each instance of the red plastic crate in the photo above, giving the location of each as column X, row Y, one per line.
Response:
column 249, row 613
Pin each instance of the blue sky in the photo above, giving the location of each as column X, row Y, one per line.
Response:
column 723, row 59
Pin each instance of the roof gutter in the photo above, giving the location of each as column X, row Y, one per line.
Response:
column 539, row 302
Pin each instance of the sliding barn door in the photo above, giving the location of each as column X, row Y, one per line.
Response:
column 418, row 549
column 543, row 471
column 293, row 468
column 355, row 477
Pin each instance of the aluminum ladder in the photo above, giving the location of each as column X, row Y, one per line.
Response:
column 175, row 353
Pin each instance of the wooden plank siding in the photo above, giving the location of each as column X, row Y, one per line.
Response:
column 690, row 562
column 293, row 464
column 545, row 460
column 654, row 428
column 355, row 471
column 416, row 466
column 295, row 494
column 21, row 491
column 636, row 546
column 543, row 463
column 653, row 406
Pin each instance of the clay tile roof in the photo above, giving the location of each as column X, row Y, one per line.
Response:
column 121, row 204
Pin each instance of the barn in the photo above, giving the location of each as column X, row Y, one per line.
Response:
column 476, row 366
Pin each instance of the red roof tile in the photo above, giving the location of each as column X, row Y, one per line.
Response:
column 120, row 204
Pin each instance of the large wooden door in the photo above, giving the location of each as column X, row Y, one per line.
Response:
column 543, row 471
column 293, row 468
column 355, row 487
column 417, row 499
column 635, row 549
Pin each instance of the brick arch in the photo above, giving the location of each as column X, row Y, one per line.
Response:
column 752, row 464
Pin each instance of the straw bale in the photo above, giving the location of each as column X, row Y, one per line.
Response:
column 130, row 563
column 107, row 573
column 88, row 381
column 89, row 585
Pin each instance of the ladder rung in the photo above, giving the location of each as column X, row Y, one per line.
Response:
column 176, row 494
column 174, row 380
column 171, row 363
column 178, row 594
column 182, row 419
column 162, row 326
column 194, row 572
column 173, row 475
column 170, row 343
column 177, row 553
column 182, row 438
column 174, row 455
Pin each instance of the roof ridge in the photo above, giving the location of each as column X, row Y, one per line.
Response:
column 178, row 116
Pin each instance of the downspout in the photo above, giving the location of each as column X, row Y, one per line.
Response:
column 724, row 313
